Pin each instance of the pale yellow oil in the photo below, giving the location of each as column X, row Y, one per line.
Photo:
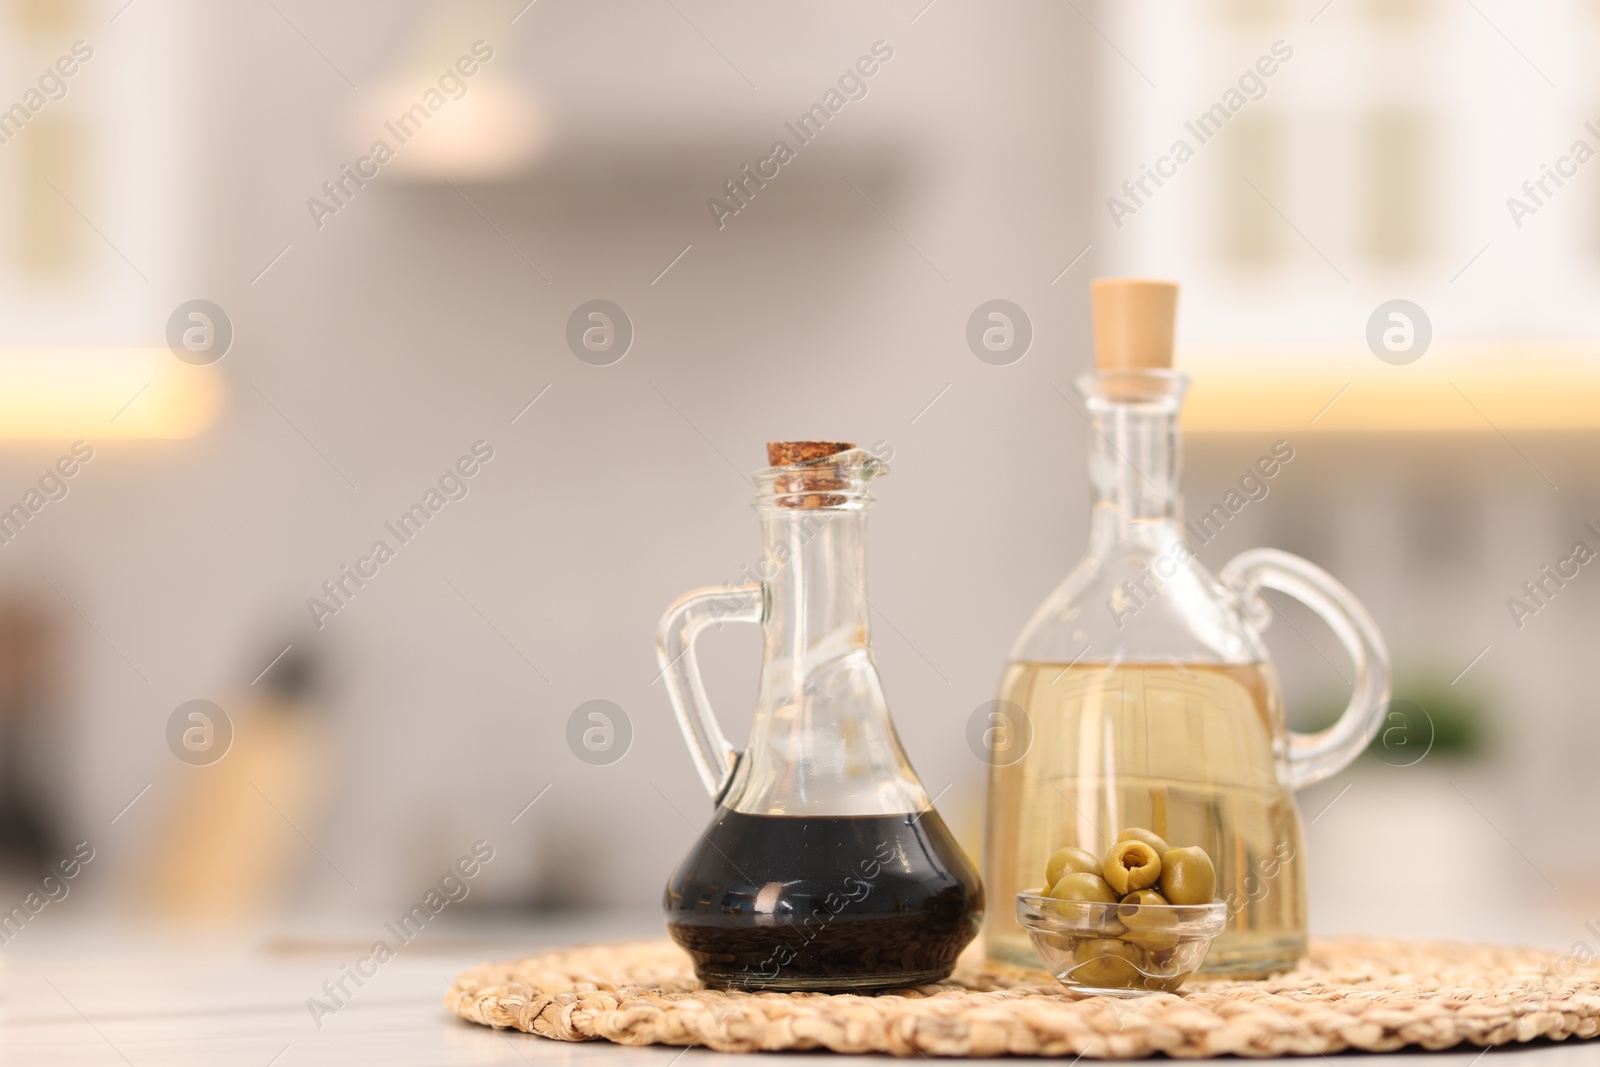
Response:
column 1187, row 750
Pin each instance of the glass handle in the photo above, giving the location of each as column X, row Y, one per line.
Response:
column 1313, row 757
column 714, row 758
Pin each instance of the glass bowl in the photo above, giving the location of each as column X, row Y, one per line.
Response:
column 1119, row 950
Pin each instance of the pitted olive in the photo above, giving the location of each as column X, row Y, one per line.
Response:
column 1109, row 963
column 1145, row 909
column 1155, row 939
column 1149, row 837
column 1131, row 865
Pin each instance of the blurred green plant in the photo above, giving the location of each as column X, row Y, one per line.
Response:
column 1425, row 716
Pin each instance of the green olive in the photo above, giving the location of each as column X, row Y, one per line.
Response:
column 1131, row 865
column 1155, row 939
column 1108, row 963
column 1084, row 887
column 1069, row 861
column 1149, row 837
column 1162, row 960
column 1145, row 909
column 1187, row 876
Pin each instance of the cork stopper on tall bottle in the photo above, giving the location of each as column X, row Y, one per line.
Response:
column 807, row 486
column 1133, row 323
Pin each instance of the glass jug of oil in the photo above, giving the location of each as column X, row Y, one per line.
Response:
column 825, row 866
column 1142, row 688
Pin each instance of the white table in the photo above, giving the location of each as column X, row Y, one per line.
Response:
column 103, row 995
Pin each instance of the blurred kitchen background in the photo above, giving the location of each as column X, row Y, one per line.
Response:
column 425, row 308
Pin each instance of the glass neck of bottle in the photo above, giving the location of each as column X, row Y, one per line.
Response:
column 817, row 590
column 821, row 742
column 1135, row 458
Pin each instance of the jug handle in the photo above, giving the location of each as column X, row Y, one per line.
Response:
column 691, row 613
column 1313, row 757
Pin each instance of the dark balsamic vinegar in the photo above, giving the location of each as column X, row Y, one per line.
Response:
column 833, row 903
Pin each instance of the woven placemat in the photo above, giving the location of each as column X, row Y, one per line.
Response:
column 1372, row 995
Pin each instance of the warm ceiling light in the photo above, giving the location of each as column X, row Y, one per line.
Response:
column 101, row 393
column 448, row 106
column 492, row 133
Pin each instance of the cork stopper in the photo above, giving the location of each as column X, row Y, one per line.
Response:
column 807, row 487
column 790, row 453
column 1133, row 323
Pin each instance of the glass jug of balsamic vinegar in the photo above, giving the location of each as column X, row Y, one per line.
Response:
column 825, row 866
column 1150, row 697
